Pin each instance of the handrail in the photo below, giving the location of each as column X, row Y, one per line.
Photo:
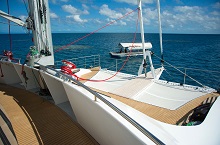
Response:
column 116, row 109
column 94, row 60
column 84, row 61
column 192, row 69
column 2, row 57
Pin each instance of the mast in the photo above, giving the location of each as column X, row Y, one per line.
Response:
column 160, row 29
column 42, row 51
column 145, row 52
column 39, row 22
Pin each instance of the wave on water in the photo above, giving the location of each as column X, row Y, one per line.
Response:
column 180, row 50
column 63, row 47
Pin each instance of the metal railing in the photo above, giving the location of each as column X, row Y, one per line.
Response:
column 5, row 58
column 190, row 73
column 195, row 69
column 83, row 62
column 115, row 65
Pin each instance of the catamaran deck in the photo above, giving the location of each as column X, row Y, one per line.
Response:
column 162, row 114
column 37, row 121
column 171, row 116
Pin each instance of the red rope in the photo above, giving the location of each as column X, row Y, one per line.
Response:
column 119, row 69
column 61, row 48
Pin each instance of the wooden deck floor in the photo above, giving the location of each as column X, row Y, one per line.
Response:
column 37, row 121
column 158, row 113
column 93, row 72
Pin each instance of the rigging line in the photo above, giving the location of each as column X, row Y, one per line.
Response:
column 168, row 73
column 108, row 24
column 9, row 27
column 180, row 71
column 121, row 66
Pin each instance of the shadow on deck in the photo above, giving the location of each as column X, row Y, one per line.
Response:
column 37, row 121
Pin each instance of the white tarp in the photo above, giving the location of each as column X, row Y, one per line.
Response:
column 134, row 46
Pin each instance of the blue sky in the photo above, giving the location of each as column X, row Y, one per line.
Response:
column 84, row 16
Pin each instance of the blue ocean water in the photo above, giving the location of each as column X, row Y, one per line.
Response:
column 200, row 52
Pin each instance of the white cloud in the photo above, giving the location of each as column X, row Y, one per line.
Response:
column 123, row 23
column 178, row 19
column 53, row 1
column 104, row 10
column 179, row 2
column 75, row 13
column 64, row 1
column 53, row 16
column 85, row 12
column 85, row 6
column 70, row 9
column 215, row 13
column 23, row 18
column 57, row 1
column 188, row 9
column 191, row 19
column 113, row 22
column 97, row 21
column 134, row 2
column 76, row 18
column 172, row 26
column 186, row 14
column 216, row 5
column 149, row 14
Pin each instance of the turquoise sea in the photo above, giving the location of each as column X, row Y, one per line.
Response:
column 198, row 51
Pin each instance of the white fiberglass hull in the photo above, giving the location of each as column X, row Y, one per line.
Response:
column 55, row 86
column 8, row 74
column 30, row 77
column 121, row 55
column 104, row 123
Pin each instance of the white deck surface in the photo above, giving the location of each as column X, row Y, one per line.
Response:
column 166, row 97
column 132, row 87
column 144, row 90
column 109, row 85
